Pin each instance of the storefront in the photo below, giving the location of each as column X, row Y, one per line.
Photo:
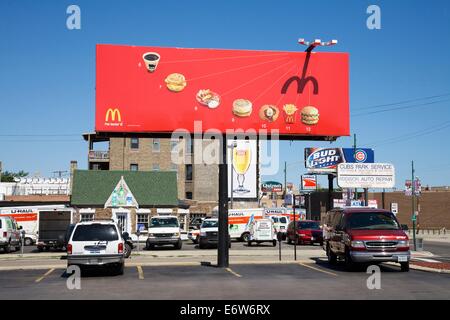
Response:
column 129, row 198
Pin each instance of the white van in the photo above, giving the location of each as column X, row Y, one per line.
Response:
column 262, row 231
column 163, row 230
column 96, row 243
column 9, row 234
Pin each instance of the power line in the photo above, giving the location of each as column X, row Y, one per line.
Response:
column 403, row 102
column 413, row 135
column 399, row 108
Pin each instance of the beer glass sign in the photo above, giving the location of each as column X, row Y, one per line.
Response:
column 242, row 160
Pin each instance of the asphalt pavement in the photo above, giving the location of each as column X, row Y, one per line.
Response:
column 315, row 280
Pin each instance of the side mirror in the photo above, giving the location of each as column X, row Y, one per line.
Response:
column 20, row 227
column 405, row 227
column 125, row 235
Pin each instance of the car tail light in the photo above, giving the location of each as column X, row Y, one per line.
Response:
column 69, row 249
column 120, row 248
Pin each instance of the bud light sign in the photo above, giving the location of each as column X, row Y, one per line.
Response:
column 320, row 160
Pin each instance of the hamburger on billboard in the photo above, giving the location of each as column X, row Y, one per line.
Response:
column 159, row 90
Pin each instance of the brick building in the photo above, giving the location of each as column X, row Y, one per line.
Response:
column 196, row 183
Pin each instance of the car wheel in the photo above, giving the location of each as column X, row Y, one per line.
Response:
column 289, row 241
column 349, row 264
column 8, row 248
column 274, row 243
column 332, row 258
column 119, row 270
column 127, row 250
column 28, row 241
column 201, row 245
column 245, row 237
column 40, row 248
column 404, row 266
column 249, row 243
column 179, row 245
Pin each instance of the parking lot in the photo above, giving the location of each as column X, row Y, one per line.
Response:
column 315, row 280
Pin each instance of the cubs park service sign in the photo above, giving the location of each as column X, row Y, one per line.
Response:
column 160, row 90
column 366, row 175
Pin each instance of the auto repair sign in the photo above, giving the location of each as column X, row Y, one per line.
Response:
column 323, row 160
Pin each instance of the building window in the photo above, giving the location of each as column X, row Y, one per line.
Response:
column 155, row 167
column 134, row 167
column 188, row 195
column 189, row 172
column 86, row 217
column 134, row 143
column 156, row 146
column 142, row 222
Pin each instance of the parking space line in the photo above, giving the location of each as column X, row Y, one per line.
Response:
column 317, row 269
column 233, row 273
column 45, row 274
column 141, row 272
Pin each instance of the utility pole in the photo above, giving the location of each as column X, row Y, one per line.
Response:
column 222, row 246
column 285, row 187
column 413, row 197
column 354, row 157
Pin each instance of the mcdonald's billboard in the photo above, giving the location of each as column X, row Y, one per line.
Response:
column 156, row 89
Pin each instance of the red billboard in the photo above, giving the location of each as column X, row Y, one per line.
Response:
column 159, row 90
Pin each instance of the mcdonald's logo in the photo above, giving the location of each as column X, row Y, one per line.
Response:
column 113, row 115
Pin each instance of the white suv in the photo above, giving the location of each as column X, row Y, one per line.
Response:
column 97, row 243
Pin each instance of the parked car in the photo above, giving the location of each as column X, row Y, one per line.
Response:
column 29, row 239
column 129, row 246
column 262, row 230
column 96, row 243
column 194, row 235
column 10, row 238
column 308, row 232
column 164, row 230
column 209, row 233
column 363, row 235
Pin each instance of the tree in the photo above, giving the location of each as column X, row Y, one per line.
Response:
column 9, row 176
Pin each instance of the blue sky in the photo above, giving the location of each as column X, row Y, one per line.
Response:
column 47, row 72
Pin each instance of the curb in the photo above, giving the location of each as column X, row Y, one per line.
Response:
column 426, row 269
column 162, row 264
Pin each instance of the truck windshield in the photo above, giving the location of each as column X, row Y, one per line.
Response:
column 95, row 232
column 308, row 225
column 210, row 224
column 372, row 221
column 164, row 223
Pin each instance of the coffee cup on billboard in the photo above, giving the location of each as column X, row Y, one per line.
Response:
column 151, row 60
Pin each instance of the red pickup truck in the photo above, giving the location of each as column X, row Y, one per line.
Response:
column 365, row 235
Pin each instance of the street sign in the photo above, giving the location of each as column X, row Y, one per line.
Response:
column 394, row 208
column 309, row 182
column 366, row 175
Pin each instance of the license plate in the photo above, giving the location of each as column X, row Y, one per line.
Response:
column 402, row 259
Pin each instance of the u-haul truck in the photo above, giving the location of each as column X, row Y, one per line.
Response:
column 239, row 221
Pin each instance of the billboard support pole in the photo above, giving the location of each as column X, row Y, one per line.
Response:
column 413, row 195
column 222, row 247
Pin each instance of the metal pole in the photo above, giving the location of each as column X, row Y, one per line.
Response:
column 222, row 247
column 309, row 206
column 354, row 158
column 382, row 198
column 413, row 195
column 366, row 197
column 330, row 192
column 231, row 172
column 295, row 229
column 285, row 187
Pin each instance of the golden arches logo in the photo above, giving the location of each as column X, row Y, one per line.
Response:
column 112, row 114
